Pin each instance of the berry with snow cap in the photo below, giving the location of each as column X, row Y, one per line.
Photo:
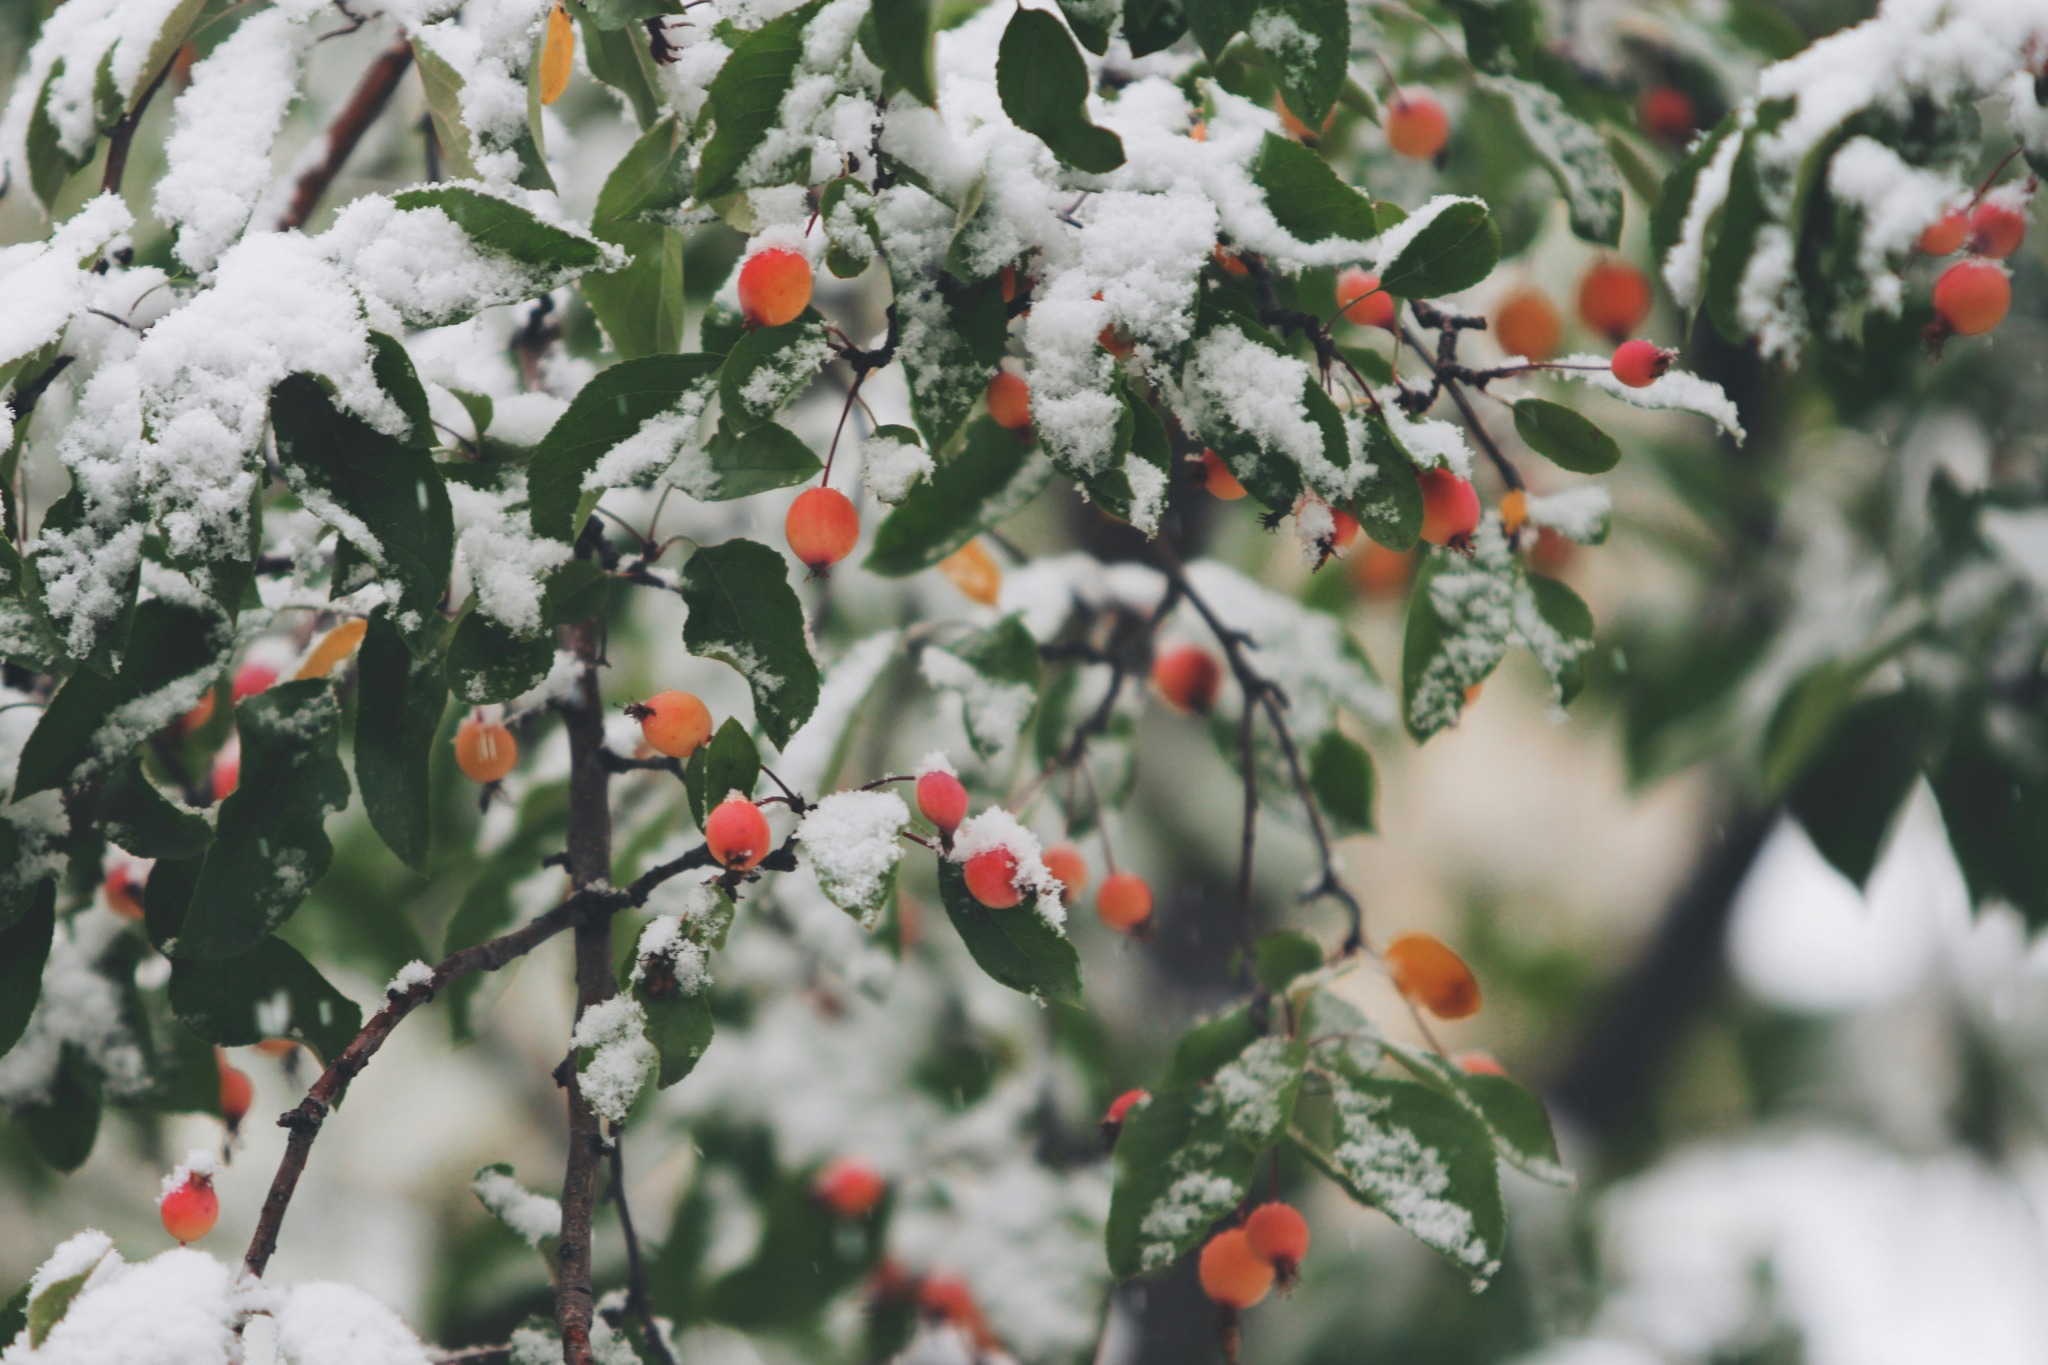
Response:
column 941, row 797
column 188, row 1206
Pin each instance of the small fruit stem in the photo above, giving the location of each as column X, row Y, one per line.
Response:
column 1992, row 178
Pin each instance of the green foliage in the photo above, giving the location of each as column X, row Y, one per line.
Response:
column 1017, row 947
column 743, row 612
column 1044, row 87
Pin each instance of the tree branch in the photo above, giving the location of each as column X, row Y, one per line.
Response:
column 355, row 118
column 639, row 1299
column 124, row 132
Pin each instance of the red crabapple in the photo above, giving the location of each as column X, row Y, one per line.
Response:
column 849, row 1187
column 190, row 1210
column 674, row 724
column 1009, row 401
column 1614, row 298
column 1640, row 363
column 237, row 1091
column 1945, row 235
column 941, row 799
column 1972, row 297
column 992, row 878
column 822, row 527
column 1189, row 678
column 775, row 287
column 737, row 833
column 1450, row 507
column 1417, row 126
column 1997, row 229
column 1361, row 300
column 1667, row 114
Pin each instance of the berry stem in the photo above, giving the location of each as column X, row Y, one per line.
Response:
column 1992, row 178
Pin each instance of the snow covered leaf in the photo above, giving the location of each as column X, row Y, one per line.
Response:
column 1675, row 200
column 1255, row 406
column 739, row 464
column 553, row 254
column 991, row 476
column 996, row 673
column 1565, row 437
column 614, row 1057
column 847, row 213
column 1447, row 245
column 488, row 663
column 173, row 653
column 1388, row 502
column 1460, row 618
column 271, row 991
column 768, row 367
column 641, row 306
column 1255, row 1091
column 1133, row 487
column 385, row 499
column 852, row 841
column 950, row 334
column 1674, row 391
column 57, row 1283
column 536, row 1218
column 393, row 369
column 138, row 818
column 269, row 844
column 1044, row 85
column 1422, row 1158
column 1018, row 947
column 745, row 99
column 669, row 978
column 24, row 947
column 624, row 404
column 1341, row 774
column 1306, row 45
column 1570, row 150
column 1306, row 197
column 729, row 763
column 400, row 699
column 1520, row 1126
column 510, row 144
column 1177, row 1171
column 902, row 46
column 743, row 611
column 651, row 181
column 1557, row 626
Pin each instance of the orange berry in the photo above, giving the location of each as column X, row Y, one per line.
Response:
column 253, row 678
column 1232, row 1274
column 190, row 1211
column 774, row 287
column 1550, row 552
column 1297, row 129
column 1614, row 298
column 1527, row 323
column 1426, row 971
column 1343, row 527
column 737, row 833
column 237, row 1091
column 1944, row 236
column 1066, row 864
column 951, row 1301
column 1472, row 692
column 674, row 724
column 1514, row 510
column 1189, row 678
column 1997, row 229
column 484, row 750
column 850, row 1188
column 1381, row 572
column 276, row 1047
column 942, row 799
column 1277, row 1233
column 1639, row 363
column 1008, row 279
column 1361, row 300
column 1972, row 297
column 1120, row 1108
column 1479, row 1064
column 1200, row 132
column 196, row 718
column 1417, row 126
column 123, row 892
column 1229, row 261
column 1124, row 902
column 974, row 571
column 992, row 878
column 1450, row 507
column 1009, row 401
column 1667, row 114
column 557, row 56
column 1217, row 478
column 822, row 527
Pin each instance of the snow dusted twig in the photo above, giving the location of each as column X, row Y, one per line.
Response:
column 124, row 132
column 1444, row 374
column 639, row 1298
column 371, row 95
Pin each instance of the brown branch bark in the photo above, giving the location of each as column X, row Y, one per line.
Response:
column 355, row 118
column 639, row 1297
column 124, row 133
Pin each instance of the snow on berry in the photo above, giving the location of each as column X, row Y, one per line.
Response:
column 994, row 829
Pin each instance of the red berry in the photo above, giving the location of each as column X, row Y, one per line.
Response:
column 1667, row 114
column 941, row 799
column 674, row 724
column 1232, row 1274
column 227, row 772
column 1278, row 1234
column 737, row 833
column 951, row 1301
column 1527, row 323
column 775, row 287
column 1426, row 971
column 1189, row 678
column 1944, row 236
column 1343, row 527
column 190, row 1210
column 1124, row 902
column 1640, row 364
column 1381, row 572
column 1972, row 297
column 1009, row 401
column 1997, row 229
column 822, row 527
column 201, row 713
column 123, row 892
column 1070, row 869
column 850, row 1188
column 1480, row 1064
column 1450, row 507
column 1361, row 300
column 252, row 678
column 237, row 1091
column 484, row 750
column 992, row 878
column 1217, row 478
column 1120, row 1108
column 1614, row 298
column 1417, row 126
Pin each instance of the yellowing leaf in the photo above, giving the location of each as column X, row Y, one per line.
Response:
column 974, row 571
column 334, row 647
column 558, row 56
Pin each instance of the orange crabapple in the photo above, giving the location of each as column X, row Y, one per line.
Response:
column 1361, row 300
column 1189, row 678
column 1614, row 298
column 1450, row 507
column 1380, row 572
column 1997, row 229
column 1278, row 1235
column 1217, row 478
column 1009, row 401
column 190, row 1209
column 1479, row 1064
column 822, row 528
column 1232, row 1274
column 737, row 833
column 485, row 750
column 1070, row 869
column 774, row 287
column 237, row 1091
column 1946, row 234
column 1417, row 126
column 1124, row 902
column 1972, row 297
column 674, row 724
column 1526, row 323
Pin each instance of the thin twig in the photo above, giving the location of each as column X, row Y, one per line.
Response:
column 1510, row 475
column 371, row 95
column 124, row 132
column 639, row 1298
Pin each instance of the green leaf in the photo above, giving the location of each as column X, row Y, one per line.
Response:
column 174, row 652
column 729, row 763
column 641, row 306
column 768, row 367
column 651, row 181
column 743, row 611
column 679, row 1024
column 1306, row 45
column 1306, row 197
column 392, row 505
column 400, row 698
column 1456, row 248
column 1204, row 1049
column 504, row 228
column 134, row 815
column 741, row 464
column 1569, row 149
column 951, row 336
column 805, row 1257
column 1516, row 1119
column 1996, row 814
column 395, row 374
column 1255, row 1091
column 1214, row 23
column 997, row 677
column 1456, row 632
column 1176, row 1173
column 1850, row 790
column 1153, row 25
column 14, row 1315
column 1564, row 437
column 1043, row 82
column 49, row 165
column 1283, row 955
column 63, row 1127
column 1340, row 771
column 745, row 99
column 902, row 47
column 576, row 591
column 1017, row 947
column 1423, row 1159
column 608, row 410
column 271, row 991
column 488, row 663
column 620, row 57
column 1389, row 503
column 24, row 948
column 992, row 476
column 53, row 1299
column 1562, row 639
column 269, row 845
column 1667, row 222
